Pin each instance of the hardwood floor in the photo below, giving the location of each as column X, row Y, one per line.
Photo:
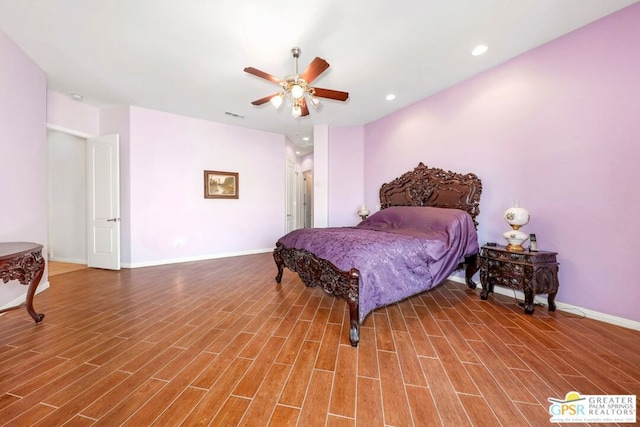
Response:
column 57, row 267
column 220, row 343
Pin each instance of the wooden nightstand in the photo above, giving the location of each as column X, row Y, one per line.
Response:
column 531, row 272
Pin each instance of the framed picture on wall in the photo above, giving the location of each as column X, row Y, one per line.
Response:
column 221, row 185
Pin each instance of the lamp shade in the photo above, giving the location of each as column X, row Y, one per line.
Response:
column 516, row 216
column 363, row 212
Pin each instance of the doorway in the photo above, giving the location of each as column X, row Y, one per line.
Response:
column 67, row 182
column 307, row 198
column 84, row 201
column 291, row 196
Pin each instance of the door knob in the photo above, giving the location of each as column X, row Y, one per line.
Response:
column 113, row 220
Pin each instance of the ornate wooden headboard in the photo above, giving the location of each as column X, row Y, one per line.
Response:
column 434, row 187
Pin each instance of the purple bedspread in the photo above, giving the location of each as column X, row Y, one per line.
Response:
column 399, row 251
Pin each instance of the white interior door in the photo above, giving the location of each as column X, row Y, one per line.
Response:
column 291, row 196
column 103, row 202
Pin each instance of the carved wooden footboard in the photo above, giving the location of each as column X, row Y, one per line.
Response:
column 314, row 271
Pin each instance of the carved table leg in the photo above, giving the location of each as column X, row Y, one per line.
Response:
column 27, row 267
column 471, row 267
column 551, row 300
column 35, row 281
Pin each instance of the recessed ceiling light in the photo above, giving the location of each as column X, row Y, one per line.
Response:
column 297, row 152
column 390, row 97
column 76, row 97
column 306, row 138
column 479, row 50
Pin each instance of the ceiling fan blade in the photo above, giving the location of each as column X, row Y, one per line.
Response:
column 264, row 100
column 317, row 67
column 262, row 74
column 304, row 108
column 331, row 94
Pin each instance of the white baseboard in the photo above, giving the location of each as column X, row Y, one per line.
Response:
column 195, row 258
column 591, row 314
column 42, row 287
column 69, row 260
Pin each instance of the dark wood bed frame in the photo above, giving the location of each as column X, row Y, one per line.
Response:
column 421, row 187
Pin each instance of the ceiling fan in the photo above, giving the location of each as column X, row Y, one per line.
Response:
column 296, row 87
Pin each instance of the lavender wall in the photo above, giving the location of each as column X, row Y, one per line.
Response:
column 23, row 154
column 346, row 175
column 556, row 128
column 320, row 176
column 169, row 217
column 63, row 113
column 305, row 162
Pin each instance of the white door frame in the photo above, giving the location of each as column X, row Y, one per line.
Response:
column 87, row 136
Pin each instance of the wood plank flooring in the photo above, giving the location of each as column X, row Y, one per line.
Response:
column 220, row 343
column 57, row 267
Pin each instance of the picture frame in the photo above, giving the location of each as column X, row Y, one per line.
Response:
column 221, row 185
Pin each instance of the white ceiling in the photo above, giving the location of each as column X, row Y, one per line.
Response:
column 187, row 57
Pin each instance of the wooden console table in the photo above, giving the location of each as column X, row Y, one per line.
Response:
column 531, row 272
column 23, row 261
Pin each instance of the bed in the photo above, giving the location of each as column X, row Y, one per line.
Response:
column 425, row 230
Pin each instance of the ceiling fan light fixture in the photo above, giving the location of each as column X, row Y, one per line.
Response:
column 296, row 111
column 297, row 91
column 315, row 102
column 276, row 101
column 296, row 87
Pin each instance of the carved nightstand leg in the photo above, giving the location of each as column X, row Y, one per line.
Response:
column 551, row 300
column 484, row 280
column 529, row 306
